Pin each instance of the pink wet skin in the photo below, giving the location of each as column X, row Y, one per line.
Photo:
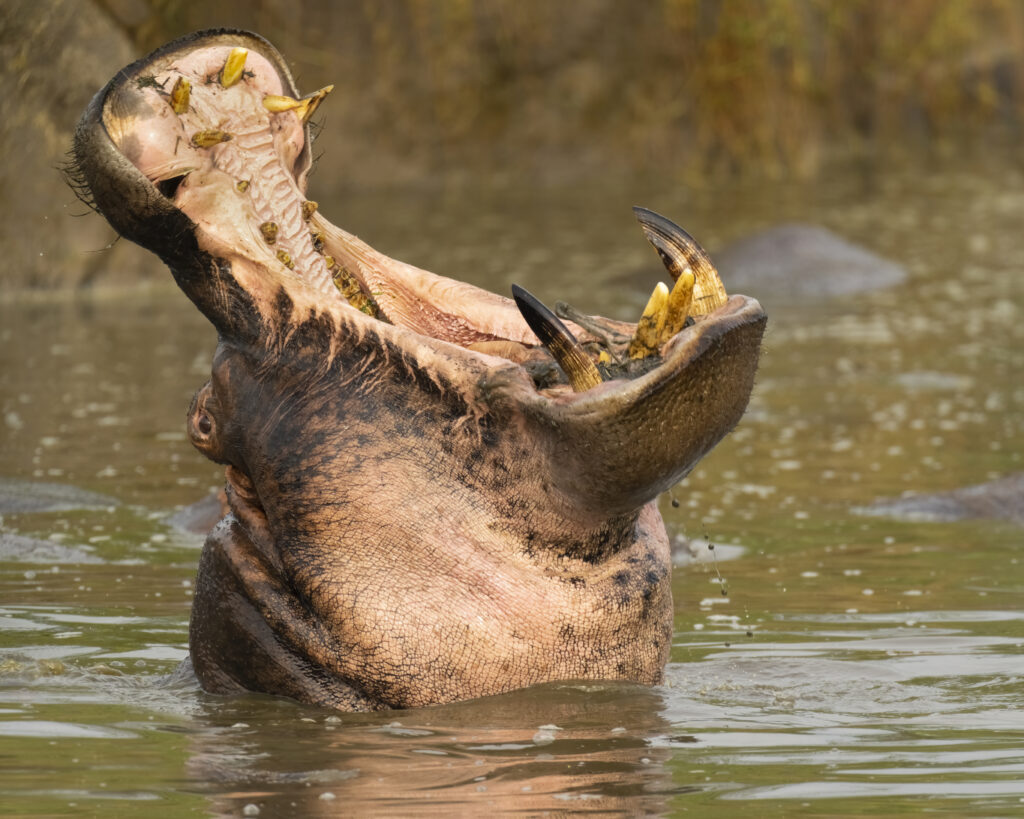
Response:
column 262, row 152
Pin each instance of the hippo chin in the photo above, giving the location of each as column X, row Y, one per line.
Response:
column 435, row 493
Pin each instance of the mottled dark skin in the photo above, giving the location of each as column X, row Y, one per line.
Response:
column 411, row 521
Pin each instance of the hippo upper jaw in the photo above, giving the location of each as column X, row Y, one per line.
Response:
column 386, row 428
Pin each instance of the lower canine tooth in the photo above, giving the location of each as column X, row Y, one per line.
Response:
column 555, row 336
column 649, row 328
column 678, row 251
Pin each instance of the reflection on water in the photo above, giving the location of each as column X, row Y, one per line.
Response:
column 854, row 664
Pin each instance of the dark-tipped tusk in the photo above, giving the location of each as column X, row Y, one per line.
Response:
column 555, row 336
column 678, row 251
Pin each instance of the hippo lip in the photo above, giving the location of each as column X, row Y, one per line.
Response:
column 216, row 168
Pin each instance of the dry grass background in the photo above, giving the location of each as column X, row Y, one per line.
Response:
column 529, row 91
column 699, row 86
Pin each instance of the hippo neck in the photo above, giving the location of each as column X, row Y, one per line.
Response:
column 398, row 455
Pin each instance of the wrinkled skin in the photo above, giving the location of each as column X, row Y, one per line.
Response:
column 413, row 518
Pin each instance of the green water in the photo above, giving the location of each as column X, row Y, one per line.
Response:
column 857, row 664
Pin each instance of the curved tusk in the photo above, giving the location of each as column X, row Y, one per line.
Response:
column 555, row 336
column 678, row 251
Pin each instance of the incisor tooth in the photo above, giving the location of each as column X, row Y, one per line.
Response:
column 276, row 103
column 234, row 65
column 679, row 301
column 180, row 95
column 648, row 329
column 303, row 108
column 555, row 336
column 678, row 251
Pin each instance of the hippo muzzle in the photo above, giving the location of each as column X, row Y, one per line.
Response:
column 435, row 493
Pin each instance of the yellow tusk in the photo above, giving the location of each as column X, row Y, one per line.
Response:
column 303, row 108
column 180, row 95
column 312, row 102
column 558, row 340
column 648, row 329
column 234, row 65
column 679, row 302
column 679, row 251
column 277, row 104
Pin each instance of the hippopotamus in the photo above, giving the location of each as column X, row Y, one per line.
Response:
column 433, row 492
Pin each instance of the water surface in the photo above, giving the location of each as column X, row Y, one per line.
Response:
column 829, row 663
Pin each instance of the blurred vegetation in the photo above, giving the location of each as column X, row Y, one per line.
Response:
column 433, row 93
column 688, row 86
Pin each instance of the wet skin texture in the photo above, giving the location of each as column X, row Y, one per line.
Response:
column 412, row 518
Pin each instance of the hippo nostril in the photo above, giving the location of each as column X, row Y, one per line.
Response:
column 205, row 424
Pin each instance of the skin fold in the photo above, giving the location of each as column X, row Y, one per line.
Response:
column 421, row 507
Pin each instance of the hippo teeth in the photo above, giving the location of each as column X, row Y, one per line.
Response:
column 646, row 339
column 680, row 252
column 698, row 289
column 180, row 95
column 556, row 338
column 234, row 65
column 303, row 108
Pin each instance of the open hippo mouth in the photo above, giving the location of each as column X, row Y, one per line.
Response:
column 435, row 492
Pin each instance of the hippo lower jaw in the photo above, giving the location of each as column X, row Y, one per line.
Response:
column 422, row 510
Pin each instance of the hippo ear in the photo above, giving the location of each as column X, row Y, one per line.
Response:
column 614, row 450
